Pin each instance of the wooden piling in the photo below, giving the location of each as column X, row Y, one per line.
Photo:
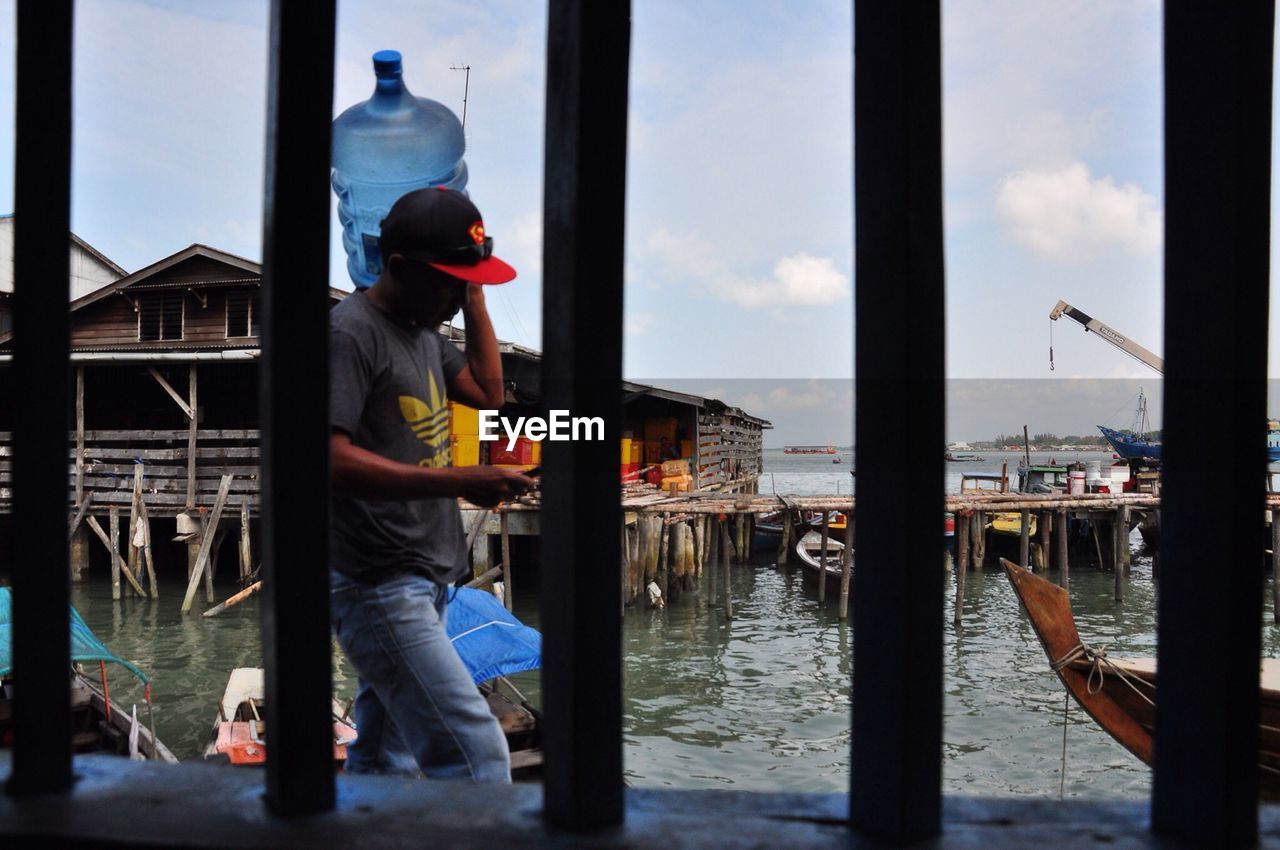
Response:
column 1063, row 525
column 1122, row 519
column 1046, row 535
column 697, row 547
column 728, row 574
column 846, row 567
column 505, row 532
column 146, row 547
column 979, row 542
column 962, row 543
column 1024, row 539
column 206, row 543
column 246, row 547
column 784, row 550
column 822, row 558
column 130, row 548
column 1117, row 559
column 1275, row 570
column 113, row 515
column 626, row 568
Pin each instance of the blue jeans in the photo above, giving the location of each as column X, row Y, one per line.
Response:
column 416, row 707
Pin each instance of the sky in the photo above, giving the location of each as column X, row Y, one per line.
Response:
column 739, row 260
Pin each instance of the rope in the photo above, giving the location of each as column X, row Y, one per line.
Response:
column 1099, row 666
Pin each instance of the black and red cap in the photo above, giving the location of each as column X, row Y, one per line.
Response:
column 441, row 227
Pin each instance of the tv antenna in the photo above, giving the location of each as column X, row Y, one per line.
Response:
column 466, row 87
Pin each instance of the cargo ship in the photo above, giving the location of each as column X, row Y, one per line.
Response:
column 809, row 450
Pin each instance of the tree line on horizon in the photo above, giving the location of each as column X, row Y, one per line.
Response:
column 1054, row 440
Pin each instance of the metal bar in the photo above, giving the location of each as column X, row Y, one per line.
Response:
column 294, row 408
column 42, row 191
column 1218, row 70
column 898, row 597
column 588, row 45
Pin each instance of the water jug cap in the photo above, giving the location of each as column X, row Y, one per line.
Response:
column 386, row 63
column 441, row 227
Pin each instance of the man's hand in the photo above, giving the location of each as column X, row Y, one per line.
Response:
column 486, row 486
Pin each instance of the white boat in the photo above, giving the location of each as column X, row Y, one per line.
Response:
column 809, row 550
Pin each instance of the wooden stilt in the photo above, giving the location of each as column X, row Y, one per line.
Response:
column 246, row 548
column 1024, row 540
column 234, row 600
column 1275, row 560
column 1046, row 535
column 505, row 533
column 113, row 515
column 728, row 575
column 146, row 547
column 117, row 563
column 1122, row 520
column 664, row 543
column 697, row 547
column 206, row 544
column 846, row 567
column 1063, row 525
column 625, row 562
column 1117, row 559
column 130, row 549
column 979, row 541
column 963, row 522
column 784, row 550
column 822, row 557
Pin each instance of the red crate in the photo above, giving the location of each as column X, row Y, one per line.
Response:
column 522, row 454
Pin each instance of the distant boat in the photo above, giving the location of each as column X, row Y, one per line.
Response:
column 836, row 460
column 809, row 450
column 962, row 458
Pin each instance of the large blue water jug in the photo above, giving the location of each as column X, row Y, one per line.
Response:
column 386, row 146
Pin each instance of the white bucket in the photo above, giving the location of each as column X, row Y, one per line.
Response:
column 1120, row 473
column 1075, row 482
column 1093, row 469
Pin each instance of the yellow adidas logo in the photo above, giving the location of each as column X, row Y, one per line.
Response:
column 429, row 422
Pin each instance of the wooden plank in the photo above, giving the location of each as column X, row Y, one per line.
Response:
column 79, row 517
column 173, row 394
column 146, row 542
column 206, row 543
column 116, row 561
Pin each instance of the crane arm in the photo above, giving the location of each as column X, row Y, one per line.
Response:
column 1108, row 333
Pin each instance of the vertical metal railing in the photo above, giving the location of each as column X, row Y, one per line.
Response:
column 294, row 404
column 588, row 45
column 42, row 227
column 1218, row 77
column 896, row 790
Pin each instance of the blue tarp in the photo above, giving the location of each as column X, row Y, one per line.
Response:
column 489, row 639
column 85, row 645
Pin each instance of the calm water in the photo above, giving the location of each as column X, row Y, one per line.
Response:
column 761, row 703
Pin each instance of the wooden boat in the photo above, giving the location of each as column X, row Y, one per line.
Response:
column 99, row 724
column 1120, row 694
column 809, row 550
column 239, row 729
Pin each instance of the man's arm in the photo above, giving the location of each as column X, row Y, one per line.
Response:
column 479, row 384
column 360, row 474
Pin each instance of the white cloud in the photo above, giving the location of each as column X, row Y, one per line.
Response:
column 1066, row 214
column 638, row 324
column 797, row 280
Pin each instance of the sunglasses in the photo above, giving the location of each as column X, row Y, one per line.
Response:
column 467, row 255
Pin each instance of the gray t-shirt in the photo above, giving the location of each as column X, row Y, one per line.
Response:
column 387, row 390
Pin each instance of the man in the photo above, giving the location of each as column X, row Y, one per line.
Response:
column 397, row 536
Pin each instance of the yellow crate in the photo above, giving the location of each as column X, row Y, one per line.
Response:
column 537, row 452
column 466, row 450
column 682, row 482
column 626, row 450
column 463, row 421
column 675, row 467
